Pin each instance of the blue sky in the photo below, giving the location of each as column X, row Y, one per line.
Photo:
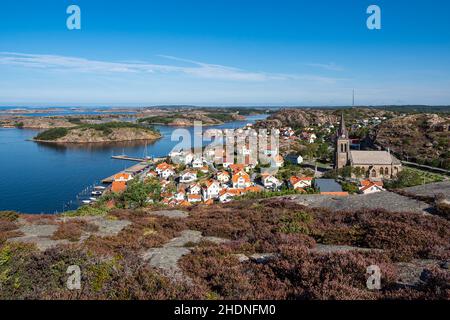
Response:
column 224, row 52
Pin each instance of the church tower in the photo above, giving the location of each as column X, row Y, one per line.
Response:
column 342, row 145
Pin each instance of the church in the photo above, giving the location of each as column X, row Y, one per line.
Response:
column 376, row 164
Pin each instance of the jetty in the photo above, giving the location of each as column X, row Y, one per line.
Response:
column 143, row 164
column 127, row 158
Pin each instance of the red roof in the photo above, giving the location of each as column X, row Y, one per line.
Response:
column 240, row 174
column 118, row 186
column 294, row 179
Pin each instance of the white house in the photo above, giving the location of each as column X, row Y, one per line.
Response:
column 151, row 174
column 300, row 182
column 223, row 177
column 188, row 176
column 369, row 186
column 211, row 189
column 195, row 188
column 299, row 160
column 192, row 198
column 278, row 160
column 167, row 173
column 227, row 195
column 312, row 138
column 180, row 195
column 270, row 181
column 241, row 180
column 197, row 163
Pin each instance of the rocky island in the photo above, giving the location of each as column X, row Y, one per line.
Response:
column 98, row 133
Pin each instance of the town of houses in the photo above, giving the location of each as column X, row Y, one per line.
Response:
column 187, row 178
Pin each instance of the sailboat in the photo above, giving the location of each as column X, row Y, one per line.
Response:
column 146, row 156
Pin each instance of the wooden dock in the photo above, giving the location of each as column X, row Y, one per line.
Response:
column 124, row 157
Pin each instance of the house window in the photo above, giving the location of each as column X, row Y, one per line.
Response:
column 386, row 171
column 381, row 171
column 374, row 173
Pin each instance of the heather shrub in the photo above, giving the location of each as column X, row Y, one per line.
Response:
column 73, row 229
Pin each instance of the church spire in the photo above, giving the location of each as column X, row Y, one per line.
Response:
column 342, row 128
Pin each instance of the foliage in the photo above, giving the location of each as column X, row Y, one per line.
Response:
column 138, row 192
column 349, row 187
column 52, row 134
column 224, row 117
column 105, row 128
column 88, row 210
column 405, row 178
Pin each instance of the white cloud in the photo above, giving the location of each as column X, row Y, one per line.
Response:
column 194, row 68
column 327, row 66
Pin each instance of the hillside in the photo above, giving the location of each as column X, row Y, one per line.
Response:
column 187, row 118
column 422, row 138
column 97, row 133
column 305, row 117
column 266, row 249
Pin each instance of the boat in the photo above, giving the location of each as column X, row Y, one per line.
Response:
column 99, row 188
column 86, row 201
column 93, row 199
column 96, row 193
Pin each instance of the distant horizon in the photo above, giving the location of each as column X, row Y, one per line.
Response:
column 241, row 53
column 7, row 107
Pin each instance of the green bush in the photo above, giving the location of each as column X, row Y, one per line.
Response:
column 52, row 134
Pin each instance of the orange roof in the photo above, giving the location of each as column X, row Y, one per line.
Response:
column 294, row 179
column 223, row 173
column 164, row 166
column 368, row 182
column 167, row 195
column 279, row 158
column 209, row 202
column 118, row 186
column 122, row 175
column 234, row 192
column 239, row 175
column 236, row 167
column 372, row 184
column 252, row 189
column 185, row 203
column 194, row 196
column 210, row 182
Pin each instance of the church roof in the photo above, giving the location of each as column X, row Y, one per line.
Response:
column 342, row 132
column 372, row 158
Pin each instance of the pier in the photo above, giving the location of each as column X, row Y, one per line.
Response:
column 135, row 169
column 127, row 158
